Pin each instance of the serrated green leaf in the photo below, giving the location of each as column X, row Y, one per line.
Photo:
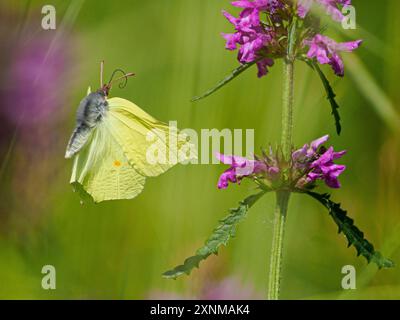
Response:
column 331, row 97
column 225, row 81
column 220, row 236
column 354, row 236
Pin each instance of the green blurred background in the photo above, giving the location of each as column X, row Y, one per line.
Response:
column 119, row 250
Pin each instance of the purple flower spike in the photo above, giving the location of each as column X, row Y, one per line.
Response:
column 258, row 39
column 252, row 37
column 310, row 163
column 327, row 51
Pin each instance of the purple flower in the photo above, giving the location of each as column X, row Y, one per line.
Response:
column 327, row 51
column 270, row 6
column 332, row 7
column 251, row 36
column 325, row 169
column 309, row 151
column 241, row 168
column 263, row 65
column 247, row 21
column 304, row 7
column 318, row 163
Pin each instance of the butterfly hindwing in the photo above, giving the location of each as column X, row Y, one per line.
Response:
column 102, row 169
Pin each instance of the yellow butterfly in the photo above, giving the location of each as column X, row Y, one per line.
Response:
column 110, row 145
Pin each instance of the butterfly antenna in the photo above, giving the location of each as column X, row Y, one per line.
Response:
column 125, row 77
column 101, row 73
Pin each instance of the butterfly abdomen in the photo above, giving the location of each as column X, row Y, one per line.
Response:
column 91, row 110
column 78, row 139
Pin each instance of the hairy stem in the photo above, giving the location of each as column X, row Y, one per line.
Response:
column 282, row 197
column 287, row 108
column 282, row 200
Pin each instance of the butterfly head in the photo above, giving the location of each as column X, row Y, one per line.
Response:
column 106, row 87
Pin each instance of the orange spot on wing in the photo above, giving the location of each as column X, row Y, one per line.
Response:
column 117, row 163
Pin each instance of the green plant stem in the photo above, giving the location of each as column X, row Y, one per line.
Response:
column 287, row 108
column 282, row 200
column 282, row 197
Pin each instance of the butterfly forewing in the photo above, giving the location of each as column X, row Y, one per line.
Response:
column 137, row 133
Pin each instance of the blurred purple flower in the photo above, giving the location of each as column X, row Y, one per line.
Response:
column 35, row 65
column 227, row 289
column 230, row 289
column 33, row 91
column 327, row 51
